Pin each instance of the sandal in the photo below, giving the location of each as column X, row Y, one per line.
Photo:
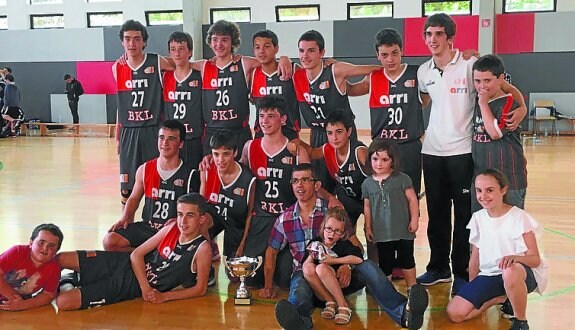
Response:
column 329, row 310
column 343, row 315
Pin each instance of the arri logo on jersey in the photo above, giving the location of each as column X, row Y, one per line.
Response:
column 221, row 199
column 221, row 82
column 393, row 99
column 179, row 96
column 270, row 172
column 312, row 98
column 137, row 83
column 163, row 193
column 269, row 90
column 459, row 90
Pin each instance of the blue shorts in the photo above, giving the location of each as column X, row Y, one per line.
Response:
column 484, row 288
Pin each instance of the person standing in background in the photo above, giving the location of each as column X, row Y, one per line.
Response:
column 73, row 90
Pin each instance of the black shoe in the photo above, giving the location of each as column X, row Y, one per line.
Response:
column 288, row 317
column 507, row 310
column 518, row 324
column 417, row 302
column 212, row 277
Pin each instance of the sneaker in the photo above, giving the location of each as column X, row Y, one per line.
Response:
column 417, row 301
column 215, row 251
column 519, row 324
column 288, row 317
column 507, row 310
column 397, row 274
column 432, row 277
column 458, row 283
column 212, row 277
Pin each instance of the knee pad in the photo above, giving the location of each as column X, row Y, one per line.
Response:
column 125, row 195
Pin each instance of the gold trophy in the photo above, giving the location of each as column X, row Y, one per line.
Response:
column 242, row 267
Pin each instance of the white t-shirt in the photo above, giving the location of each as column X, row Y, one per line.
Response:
column 499, row 237
column 452, row 101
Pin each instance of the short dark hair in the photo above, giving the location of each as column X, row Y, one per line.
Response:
column 388, row 37
column 303, row 167
column 67, row 76
column 9, row 77
column 313, row 35
column 175, row 125
column 491, row 63
column 52, row 229
column 224, row 139
column 272, row 101
column 266, row 34
column 225, row 28
column 181, row 37
column 339, row 116
column 9, row 69
column 378, row 145
column 441, row 20
column 194, row 199
column 131, row 25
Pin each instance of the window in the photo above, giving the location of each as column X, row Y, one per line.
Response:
column 516, row 6
column 105, row 19
column 2, row 2
column 454, row 7
column 173, row 17
column 53, row 21
column 44, row 2
column 101, row 0
column 297, row 13
column 369, row 9
column 4, row 22
column 242, row 15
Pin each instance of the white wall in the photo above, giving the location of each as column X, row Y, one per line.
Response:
column 19, row 11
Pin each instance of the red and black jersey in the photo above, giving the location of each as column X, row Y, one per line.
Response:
column 318, row 98
column 395, row 106
column 139, row 93
column 231, row 201
column 264, row 84
column 348, row 176
column 274, row 192
column 170, row 265
column 161, row 194
column 225, row 96
column 183, row 101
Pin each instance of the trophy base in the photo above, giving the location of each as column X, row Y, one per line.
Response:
column 242, row 301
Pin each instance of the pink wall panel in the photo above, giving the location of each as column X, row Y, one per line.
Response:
column 96, row 77
column 466, row 36
column 514, row 33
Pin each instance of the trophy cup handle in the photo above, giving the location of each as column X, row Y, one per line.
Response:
column 260, row 262
column 225, row 262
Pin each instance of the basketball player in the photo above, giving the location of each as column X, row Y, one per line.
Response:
column 139, row 87
column 271, row 162
column 230, row 188
column 183, row 97
column 321, row 90
column 265, row 80
column 161, row 180
column 173, row 264
column 394, row 103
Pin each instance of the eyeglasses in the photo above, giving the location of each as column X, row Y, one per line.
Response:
column 330, row 230
column 302, row 180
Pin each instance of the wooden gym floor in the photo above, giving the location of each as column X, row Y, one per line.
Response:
column 73, row 182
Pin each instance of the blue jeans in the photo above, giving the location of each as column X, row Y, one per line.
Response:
column 365, row 274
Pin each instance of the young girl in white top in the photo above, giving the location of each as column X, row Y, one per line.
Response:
column 505, row 260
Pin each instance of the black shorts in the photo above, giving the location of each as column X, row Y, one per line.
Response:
column 14, row 112
column 192, row 153
column 233, row 233
column 137, row 233
column 353, row 207
column 484, row 288
column 259, row 235
column 106, row 278
column 242, row 135
column 410, row 161
column 137, row 146
column 387, row 255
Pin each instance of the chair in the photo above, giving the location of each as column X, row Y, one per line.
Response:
column 543, row 110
